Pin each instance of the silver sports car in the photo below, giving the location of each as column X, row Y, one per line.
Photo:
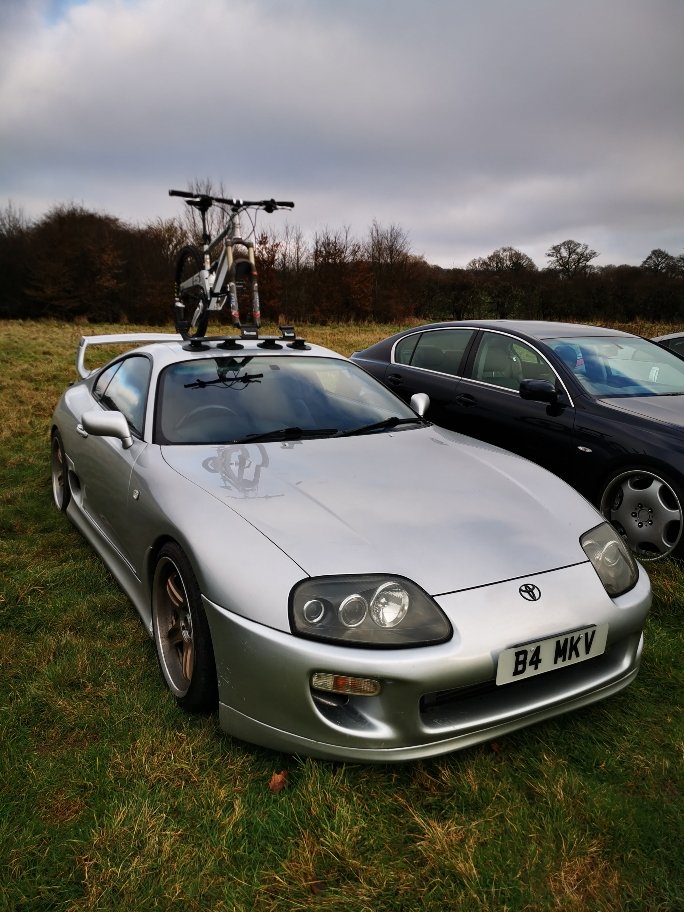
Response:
column 339, row 576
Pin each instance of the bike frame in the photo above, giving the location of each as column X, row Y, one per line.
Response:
column 219, row 282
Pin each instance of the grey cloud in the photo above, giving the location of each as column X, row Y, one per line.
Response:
column 470, row 125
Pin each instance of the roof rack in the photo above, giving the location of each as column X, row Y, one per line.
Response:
column 288, row 336
column 249, row 333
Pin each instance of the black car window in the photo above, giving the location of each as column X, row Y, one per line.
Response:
column 405, row 347
column 504, row 361
column 123, row 387
column 621, row 366
column 442, row 350
column 676, row 345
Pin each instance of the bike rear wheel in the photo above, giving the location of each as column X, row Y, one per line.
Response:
column 191, row 307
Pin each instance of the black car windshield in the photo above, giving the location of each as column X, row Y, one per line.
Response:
column 621, row 366
column 293, row 397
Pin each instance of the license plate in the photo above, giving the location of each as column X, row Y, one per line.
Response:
column 530, row 659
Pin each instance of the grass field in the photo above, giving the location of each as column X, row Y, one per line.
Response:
column 111, row 798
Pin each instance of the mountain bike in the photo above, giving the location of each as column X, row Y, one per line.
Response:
column 222, row 271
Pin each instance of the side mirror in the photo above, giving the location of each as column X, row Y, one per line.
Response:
column 420, row 403
column 539, row 391
column 107, row 424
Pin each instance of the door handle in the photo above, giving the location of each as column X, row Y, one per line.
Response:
column 81, row 430
column 466, row 400
column 394, row 379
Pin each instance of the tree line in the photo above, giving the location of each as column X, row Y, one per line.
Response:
column 79, row 265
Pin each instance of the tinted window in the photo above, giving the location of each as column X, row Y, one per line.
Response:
column 404, row 349
column 505, row 361
column 676, row 345
column 442, row 350
column 123, row 388
column 621, row 366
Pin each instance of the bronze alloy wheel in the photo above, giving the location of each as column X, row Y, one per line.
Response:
column 58, row 468
column 181, row 632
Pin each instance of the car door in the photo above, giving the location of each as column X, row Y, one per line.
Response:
column 489, row 405
column 105, row 467
column 431, row 362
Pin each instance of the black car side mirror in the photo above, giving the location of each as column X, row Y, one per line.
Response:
column 539, row 391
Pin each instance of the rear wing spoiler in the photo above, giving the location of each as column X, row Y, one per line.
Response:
column 117, row 339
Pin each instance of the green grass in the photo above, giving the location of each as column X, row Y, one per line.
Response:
column 111, row 798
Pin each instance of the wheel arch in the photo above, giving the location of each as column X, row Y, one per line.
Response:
column 635, row 462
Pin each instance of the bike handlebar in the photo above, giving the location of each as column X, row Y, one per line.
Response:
column 203, row 199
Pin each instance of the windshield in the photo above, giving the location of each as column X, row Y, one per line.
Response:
column 621, row 366
column 231, row 399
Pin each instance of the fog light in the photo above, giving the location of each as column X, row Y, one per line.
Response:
column 342, row 684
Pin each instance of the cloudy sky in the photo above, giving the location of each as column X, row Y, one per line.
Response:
column 471, row 124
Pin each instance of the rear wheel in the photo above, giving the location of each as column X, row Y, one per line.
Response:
column 646, row 508
column 60, row 476
column 181, row 632
column 191, row 307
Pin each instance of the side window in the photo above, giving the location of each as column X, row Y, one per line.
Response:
column 677, row 346
column 504, row 361
column 104, row 380
column 404, row 349
column 442, row 350
column 123, row 387
column 534, row 366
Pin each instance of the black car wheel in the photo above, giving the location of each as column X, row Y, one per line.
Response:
column 646, row 508
column 60, row 475
column 181, row 632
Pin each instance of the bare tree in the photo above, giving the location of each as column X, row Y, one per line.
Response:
column 570, row 258
column 189, row 220
column 12, row 221
column 660, row 261
column 505, row 259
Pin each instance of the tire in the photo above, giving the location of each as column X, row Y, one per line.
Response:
column 61, row 492
column 181, row 633
column 646, row 509
column 191, row 307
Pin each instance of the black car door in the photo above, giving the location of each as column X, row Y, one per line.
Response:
column 431, row 362
column 489, row 405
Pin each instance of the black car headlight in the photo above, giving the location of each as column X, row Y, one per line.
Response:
column 611, row 558
column 372, row 610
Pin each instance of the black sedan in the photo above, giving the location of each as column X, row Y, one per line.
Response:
column 673, row 341
column 603, row 409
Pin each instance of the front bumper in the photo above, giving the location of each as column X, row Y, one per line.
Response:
column 434, row 699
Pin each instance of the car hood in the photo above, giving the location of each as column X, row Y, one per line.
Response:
column 668, row 409
column 445, row 510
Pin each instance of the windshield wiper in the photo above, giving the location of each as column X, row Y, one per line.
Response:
column 383, row 425
column 288, row 433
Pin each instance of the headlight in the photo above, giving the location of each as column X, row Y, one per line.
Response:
column 611, row 558
column 372, row 610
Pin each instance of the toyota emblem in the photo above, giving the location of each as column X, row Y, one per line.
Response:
column 530, row 592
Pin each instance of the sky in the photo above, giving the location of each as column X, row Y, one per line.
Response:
column 469, row 124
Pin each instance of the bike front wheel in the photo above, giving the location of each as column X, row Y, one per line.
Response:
column 191, row 307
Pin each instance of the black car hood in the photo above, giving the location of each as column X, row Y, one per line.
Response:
column 666, row 409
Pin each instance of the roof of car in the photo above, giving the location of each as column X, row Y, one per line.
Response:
column 536, row 329
column 169, row 348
